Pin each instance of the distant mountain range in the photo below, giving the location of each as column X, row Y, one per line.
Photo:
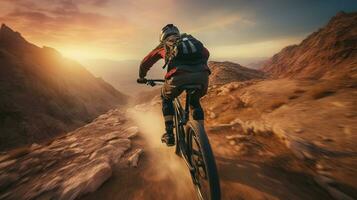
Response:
column 43, row 94
column 225, row 72
column 330, row 52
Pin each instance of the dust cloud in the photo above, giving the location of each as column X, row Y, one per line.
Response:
column 167, row 171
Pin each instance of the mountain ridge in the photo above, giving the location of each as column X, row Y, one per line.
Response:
column 329, row 52
column 225, row 72
column 44, row 94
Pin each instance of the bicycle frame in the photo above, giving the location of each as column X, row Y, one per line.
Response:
column 183, row 116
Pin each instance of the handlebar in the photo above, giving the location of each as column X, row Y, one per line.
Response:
column 151, row 82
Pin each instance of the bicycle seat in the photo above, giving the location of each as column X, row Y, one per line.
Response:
column 191, row 87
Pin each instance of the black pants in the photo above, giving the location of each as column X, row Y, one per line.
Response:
column 172, row 89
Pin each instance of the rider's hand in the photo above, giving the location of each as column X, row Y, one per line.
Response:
column 141, row 80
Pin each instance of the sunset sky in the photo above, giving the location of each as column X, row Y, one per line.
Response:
column 128, row 29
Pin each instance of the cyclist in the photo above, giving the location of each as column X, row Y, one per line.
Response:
column 186, row 62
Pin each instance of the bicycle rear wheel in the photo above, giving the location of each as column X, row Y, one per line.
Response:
column 205, row 175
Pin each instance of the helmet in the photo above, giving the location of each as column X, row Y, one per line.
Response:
column 168, row 30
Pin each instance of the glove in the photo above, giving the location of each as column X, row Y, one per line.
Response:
column 141, row 80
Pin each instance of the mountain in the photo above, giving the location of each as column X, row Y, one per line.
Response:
column 257, row 64
column 329, row 52
column 225, row 72
column 43, row 94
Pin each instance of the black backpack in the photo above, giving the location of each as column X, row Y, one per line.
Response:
column 186, row 51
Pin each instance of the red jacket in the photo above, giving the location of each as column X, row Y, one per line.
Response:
column 159, row 53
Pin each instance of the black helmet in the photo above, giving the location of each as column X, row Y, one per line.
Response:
column 168, row 30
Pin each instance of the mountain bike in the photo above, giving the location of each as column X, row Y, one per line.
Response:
column 193, row 146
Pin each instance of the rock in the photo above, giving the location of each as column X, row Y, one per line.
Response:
column 4, row 157
column 212, row 115
column 29, row 163
column 66, row 167
column 218, row 127
column 35, row 146
column 7, row 179
column 74, row 145
column 119, row 151
column 6, row 164
column 238, row 137
column 71, row 152
column 110, row 136
column 105, row 150
column 131, row 132
column 236, row 121
column 111, row 152
column 224, row 91
column 120, row 143
column 350, row 114
column 323, row 173
column 71, row 139
column 338, row 104
column 50, row 164
column 319, row 166
column 87, row 180
column 231, row 137
column 347, row 130
column 134, row 158
column 238, row 147
column 232, row 142
column 298, row 130
column 327, row 183
column 308, row 155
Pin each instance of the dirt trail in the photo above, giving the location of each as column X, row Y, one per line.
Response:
column 162, row 175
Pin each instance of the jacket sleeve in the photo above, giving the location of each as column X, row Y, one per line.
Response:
column 205, row 53
column 150, row 60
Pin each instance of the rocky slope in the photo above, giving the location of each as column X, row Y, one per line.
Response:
column 305, row 127
column 72, row 165
column 225, row 72
column 43, row 94
column 329, row 52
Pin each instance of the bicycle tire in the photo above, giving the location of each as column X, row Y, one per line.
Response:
column 208, row 159
column 178, row 128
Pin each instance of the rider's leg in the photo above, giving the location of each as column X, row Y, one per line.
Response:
column 168, row 93
column 168, row 112
column 197, row 111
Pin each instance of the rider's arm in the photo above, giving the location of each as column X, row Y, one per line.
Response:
column 205, row 53
column 150, row 60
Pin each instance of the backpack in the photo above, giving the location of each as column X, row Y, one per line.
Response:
column 187, row 50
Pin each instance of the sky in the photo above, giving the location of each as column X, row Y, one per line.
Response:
column 129, row 29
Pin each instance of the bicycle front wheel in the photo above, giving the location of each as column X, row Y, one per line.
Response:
column 205, row 175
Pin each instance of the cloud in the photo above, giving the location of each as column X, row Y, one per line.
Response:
column 129, row 28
